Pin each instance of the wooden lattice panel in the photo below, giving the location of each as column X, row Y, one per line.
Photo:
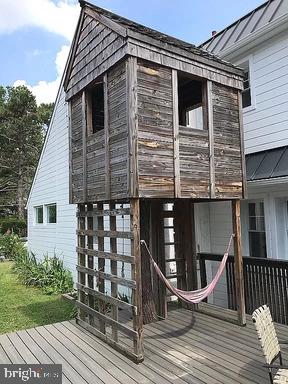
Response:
column 109, row 278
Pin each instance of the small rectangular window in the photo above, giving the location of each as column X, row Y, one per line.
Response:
column 39, row 215
column 95, row 108
column 190, row 102
column 246, row 93
column 51, row 213
column 257, row 234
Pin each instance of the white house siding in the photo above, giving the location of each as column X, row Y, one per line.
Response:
column 265, row 126
column 51, row 185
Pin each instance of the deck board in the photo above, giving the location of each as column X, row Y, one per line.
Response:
column 186, row 348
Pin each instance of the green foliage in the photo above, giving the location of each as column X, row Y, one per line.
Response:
column 49, row 273
column 21, row 138
column 11, row 246
column 45, row 113
column 14, row 224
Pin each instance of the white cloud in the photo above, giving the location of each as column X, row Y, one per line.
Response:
column 58, row 17
column 45, row 91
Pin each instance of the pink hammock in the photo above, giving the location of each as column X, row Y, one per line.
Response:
column 192, row 297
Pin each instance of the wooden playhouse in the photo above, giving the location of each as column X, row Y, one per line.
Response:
column 155, row 126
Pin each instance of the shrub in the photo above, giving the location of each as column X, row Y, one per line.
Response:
column 14, row 224
column 11, row 246
column 49, row 273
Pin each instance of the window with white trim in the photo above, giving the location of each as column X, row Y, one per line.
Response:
column 51, row 213
column 38, row 214
column 246, row 93
column 257, row 233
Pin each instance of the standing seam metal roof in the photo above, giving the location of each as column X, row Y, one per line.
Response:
column 246, row 25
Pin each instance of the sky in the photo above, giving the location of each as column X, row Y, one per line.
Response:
column 35, row 35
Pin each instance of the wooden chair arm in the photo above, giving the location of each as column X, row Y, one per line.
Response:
column 275, row 366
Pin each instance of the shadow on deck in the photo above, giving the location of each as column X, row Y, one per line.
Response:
column 185, row 348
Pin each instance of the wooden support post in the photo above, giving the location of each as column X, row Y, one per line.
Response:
column 136, row 275
column 107, row 139
column 148, row 303
column 209, row 118
column 132, row 105
column 158, row 251
column 90, row 262
column 177, row 181
column 113, row 266
column 84, row 152
column 81, row 260
column 101, row 268
column 238, row 263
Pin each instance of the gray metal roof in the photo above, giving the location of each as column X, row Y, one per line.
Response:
column 267, row 164
column 246, row 25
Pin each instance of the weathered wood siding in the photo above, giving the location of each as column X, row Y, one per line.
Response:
column 76, row 149
column 96, row 167
column 118, row 132
column 194, row 163
column 155, row 130
column 98, row 48
column 227, row 142
column 99, row 161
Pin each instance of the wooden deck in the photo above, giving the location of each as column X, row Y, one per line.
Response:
column 185, row 348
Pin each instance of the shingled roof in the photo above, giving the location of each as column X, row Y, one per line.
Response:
column 168, row 40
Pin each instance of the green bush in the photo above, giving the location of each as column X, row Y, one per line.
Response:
column 11, row 246
column 14, row 224
column 49, row 273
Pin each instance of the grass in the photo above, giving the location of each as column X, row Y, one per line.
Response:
column 23, row 307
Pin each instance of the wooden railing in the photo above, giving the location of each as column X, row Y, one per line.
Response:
column 265, row 282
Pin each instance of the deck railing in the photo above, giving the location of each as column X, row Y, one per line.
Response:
column 265, row 282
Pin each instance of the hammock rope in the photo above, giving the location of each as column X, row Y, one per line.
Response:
column 191, row 297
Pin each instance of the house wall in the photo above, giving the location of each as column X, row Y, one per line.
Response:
column 51, row 185
column 265, row 123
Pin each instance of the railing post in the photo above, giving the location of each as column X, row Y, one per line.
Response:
column 203, row 273
column 238, row 264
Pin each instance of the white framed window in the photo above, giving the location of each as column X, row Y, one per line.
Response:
column 51, row 213
column 248, row 96
column 38, row 214
column 256, row 229
column 246, row 93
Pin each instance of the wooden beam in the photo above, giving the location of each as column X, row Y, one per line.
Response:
column 90, row 263
column 107, row 140
column 209, row 106
column 136, row 275
column 84, row 152
column 239, row 278
column 132, row 119
column 106, row 255
column 70, row 153
column 242, row 145
column 177, row 182
column 101, row 269
column 81, row 261
column 113, row 268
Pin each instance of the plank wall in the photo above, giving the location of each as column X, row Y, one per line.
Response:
column 227, row 142
column 155, row 130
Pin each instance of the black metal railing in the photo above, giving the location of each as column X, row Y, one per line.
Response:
column 265, row 282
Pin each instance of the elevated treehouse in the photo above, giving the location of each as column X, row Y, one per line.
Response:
column 155, row 124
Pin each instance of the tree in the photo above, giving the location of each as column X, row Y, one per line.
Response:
column 21, row 138
column 45, row 111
